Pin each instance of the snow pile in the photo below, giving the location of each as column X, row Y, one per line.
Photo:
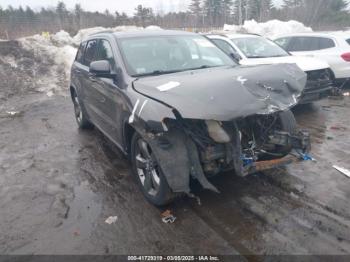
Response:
column 57, row 53
column 41, row 63
column 272, row 28
column 62, row 38
column 153, row 27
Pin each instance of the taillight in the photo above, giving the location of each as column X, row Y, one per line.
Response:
column 346, row 57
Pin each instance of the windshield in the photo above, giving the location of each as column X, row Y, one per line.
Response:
column 168, row 54
column 258, row 47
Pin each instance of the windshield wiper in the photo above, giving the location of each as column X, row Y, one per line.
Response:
column 201, row 67
column 257, row 56
column 158, row 72
column 163, row 72
column 279, row 55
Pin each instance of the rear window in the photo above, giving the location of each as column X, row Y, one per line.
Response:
column 310, row 44
column 325, row 43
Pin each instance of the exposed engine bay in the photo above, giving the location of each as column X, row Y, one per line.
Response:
column 246, row 145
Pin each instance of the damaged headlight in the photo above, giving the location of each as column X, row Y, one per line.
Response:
column 217, row 132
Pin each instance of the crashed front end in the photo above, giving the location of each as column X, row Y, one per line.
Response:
column 236, row 126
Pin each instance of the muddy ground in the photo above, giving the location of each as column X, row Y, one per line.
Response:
column 58, row 185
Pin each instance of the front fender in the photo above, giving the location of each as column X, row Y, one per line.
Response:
column 148, row 114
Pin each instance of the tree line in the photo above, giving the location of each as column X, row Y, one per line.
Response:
column 320, row 14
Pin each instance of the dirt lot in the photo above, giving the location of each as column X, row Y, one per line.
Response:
column 58, row 185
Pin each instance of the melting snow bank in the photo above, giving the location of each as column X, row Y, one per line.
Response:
column 32, row 65
column 271, row 28
column 41, row 63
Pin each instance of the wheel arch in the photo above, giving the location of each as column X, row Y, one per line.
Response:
column 72, row 91
column 128, row 132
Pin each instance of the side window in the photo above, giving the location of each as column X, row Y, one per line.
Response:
column 299, row 44
column 224, row 46
column 105, row 52
column 90, row 52
column 310, row 43
column 80, row 53
column 283, row 42
column 348, row 41
column 325, row 43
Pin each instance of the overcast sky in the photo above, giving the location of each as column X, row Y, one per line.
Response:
column 101, row 5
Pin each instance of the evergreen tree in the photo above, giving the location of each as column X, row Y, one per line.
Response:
column 62, row 14
column 78, row 11
column 259, row 10
column 197, row 11
column 143, row 15
column 195, row 7
column 227, row 6
column 241, row 11
column 213, row 10
column 338, row 5
column 293, row 3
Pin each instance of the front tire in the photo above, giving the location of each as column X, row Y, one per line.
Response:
column 148, row 173
column 288, row 124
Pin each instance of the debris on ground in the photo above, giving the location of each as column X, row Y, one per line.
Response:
column 346, row 94
column 76, row 233
column 12, row 113
column 168, row 217
column 111, row 220
column 337, row 128
column 342, row 170
column 190, row 195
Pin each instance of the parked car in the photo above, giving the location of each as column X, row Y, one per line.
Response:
column 332, row 47
column 249, row 49
column 179, row 107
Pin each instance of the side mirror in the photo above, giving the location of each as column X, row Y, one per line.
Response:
column 236, row 57
column 101, row 68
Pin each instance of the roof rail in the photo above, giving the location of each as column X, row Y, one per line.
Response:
column 102, row 32
column 224, row 33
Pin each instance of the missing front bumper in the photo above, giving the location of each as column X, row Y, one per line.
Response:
column 300, row 145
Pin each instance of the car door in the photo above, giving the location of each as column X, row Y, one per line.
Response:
column 107, row 94
column 87, row 82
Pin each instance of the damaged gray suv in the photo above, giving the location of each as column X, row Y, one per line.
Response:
column 181, row 109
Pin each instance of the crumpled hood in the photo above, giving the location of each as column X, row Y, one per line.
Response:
column 225, row 94
column 305, row 63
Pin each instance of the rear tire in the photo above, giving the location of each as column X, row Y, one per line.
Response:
column 80, row 113
column 148, row 173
